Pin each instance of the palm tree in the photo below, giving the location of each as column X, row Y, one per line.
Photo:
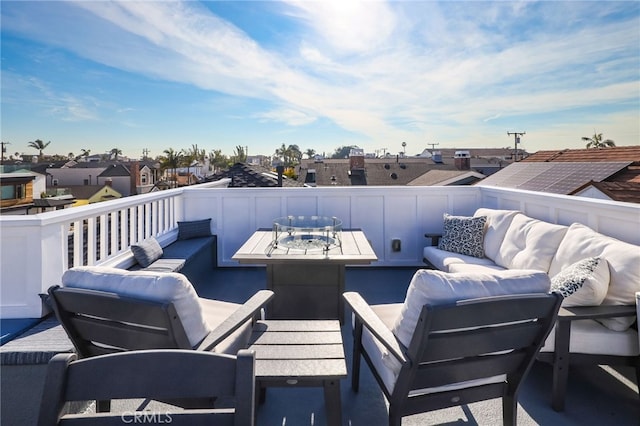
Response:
column 115, row 152
column 218, row 160
column 596, row 141
column 310, row 153
column 171, row 160
column 239, row 154
column 85, row 153
column 39, row 145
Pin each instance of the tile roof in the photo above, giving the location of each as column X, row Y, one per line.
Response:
column 618, row 191
column 620, row 153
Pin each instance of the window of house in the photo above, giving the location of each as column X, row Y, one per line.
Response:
column 13, row 192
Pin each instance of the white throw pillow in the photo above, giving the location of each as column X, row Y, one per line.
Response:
column 153, row 286
column 585, row 283
column 581, row 241
column 498, row 221
column 435, row 287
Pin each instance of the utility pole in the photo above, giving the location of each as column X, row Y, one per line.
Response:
column 433, row 145
column 516, row 136
column 4, row 149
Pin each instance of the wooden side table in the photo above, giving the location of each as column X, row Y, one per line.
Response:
column 301, row 353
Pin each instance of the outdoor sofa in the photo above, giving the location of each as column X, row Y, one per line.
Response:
column 597, row 323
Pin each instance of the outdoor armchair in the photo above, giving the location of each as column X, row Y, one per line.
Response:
column 155, row 375
column 441, row 348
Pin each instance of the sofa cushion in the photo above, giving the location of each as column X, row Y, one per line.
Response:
column 498, row 221
column 591, row 337
column 623, row 258
column 147, row 251
column 464, row 235
column 194, row 229
column 436, row 287
column 475, row 267
column 442, row 259
column 529, row 244
column 585, row 283
column 153, row 286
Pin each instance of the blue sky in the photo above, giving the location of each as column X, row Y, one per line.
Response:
column 318, row 74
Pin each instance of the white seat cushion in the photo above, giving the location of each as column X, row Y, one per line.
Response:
column 470, row 268
column 153, row 286
column 591, row 337
column 442, row 259
column 215, row 312
column 437, row 287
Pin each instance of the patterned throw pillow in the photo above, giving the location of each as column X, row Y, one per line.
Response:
column 146, row 252
column 463, row 235
column 584, row 283
column 194, row 229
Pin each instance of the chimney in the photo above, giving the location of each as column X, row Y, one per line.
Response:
column 134, row 173
column 280, row 170
column 356, row 159
column 462, row 160
column 109, row 182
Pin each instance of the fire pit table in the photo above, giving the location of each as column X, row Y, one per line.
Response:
column 306, row 258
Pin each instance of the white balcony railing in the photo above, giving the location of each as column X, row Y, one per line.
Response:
column 35, row 250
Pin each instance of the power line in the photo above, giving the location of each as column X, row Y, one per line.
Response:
column 516, row 136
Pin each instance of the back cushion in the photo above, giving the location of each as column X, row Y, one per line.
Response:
column 498, row 222
column 435, row 287
column 529, row 244
column 624, row 266
column 153, row 286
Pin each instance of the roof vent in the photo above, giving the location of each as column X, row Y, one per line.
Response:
column 387, row 166
column 403, row 166
column 393, row 176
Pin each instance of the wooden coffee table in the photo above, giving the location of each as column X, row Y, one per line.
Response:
column 306, row 285
column 301, row 353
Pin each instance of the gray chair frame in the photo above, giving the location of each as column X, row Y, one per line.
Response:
column 100, row 322
column 452, row 343
column 152, row 374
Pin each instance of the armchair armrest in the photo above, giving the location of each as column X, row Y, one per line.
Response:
column 435, row 238
column 596, row 312
column 374, row 324
column 236, row 320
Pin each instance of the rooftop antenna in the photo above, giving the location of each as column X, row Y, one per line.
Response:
column 145, row 152
column 433, row 145
column 516, row 142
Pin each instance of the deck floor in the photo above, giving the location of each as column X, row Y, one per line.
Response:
column 596, row 395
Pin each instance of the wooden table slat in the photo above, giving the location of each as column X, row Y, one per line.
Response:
column 297, row 325
column 298, row 351
column 296, row 338
column 315, row 369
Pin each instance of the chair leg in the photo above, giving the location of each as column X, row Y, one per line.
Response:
column 355, row 361
column 509, row 410
column 395, row 419
column 560, row 365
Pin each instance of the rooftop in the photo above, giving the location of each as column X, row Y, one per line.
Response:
column 596, row 395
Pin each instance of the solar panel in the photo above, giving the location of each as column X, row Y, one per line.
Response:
column 556, row 177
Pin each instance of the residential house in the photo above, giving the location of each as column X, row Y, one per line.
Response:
column 360, row 169
column 607, row 173
column 136, row 177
